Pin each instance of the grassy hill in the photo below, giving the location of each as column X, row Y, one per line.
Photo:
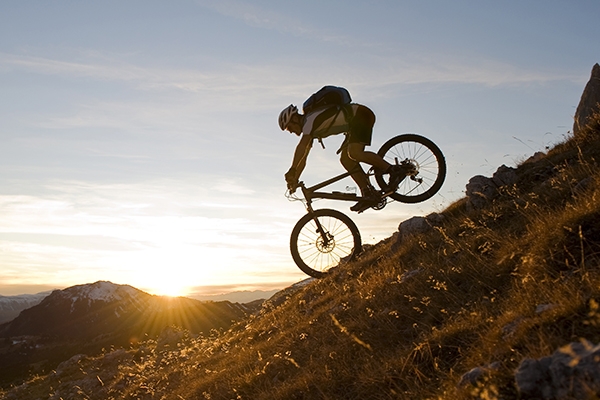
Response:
column 488, row 288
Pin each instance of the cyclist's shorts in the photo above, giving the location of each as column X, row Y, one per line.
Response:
column 361, row 127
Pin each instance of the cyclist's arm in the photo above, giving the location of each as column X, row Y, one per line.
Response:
column 301, row 154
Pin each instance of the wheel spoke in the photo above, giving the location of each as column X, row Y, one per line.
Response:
column 314, row 251
column 424, row 156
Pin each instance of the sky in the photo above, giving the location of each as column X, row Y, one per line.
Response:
column 139, row 141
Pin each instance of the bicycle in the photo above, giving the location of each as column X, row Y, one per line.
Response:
column 323, row 238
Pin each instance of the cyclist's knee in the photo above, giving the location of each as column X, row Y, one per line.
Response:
column 346, row 160
column 356, row 151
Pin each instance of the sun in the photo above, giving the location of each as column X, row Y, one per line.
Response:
column 171, row 289
column 166, row 283
column 174, row 268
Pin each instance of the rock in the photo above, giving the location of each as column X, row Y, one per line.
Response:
column 471, row 377
column 414, row 226
column 476, row 374
column 68, row 365
column 116, row 357
column 541, row 308
column 532, row 378
column 504, row 176
column 573, row 371
column 409, row 274
column 480, row 190
column 510, row 328
column 537, row 156
column 583, row 186
column 589, row 101
column 436, row 219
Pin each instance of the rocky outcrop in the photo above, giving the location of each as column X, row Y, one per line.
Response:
column 590, row 101
column 481, row 189
column 572, row 372
column 414, row 226
column 417, row 224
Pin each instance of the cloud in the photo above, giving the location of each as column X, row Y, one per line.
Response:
column 265, row 83
column 81, row 242
column 75, row 231
column 260, row 17
column 107, row 71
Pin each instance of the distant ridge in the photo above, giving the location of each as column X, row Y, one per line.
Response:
column 87, row 318
column 243, row 296
column 11, row 306
column 86, row 311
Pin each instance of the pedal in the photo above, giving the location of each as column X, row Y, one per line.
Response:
column 382, row 203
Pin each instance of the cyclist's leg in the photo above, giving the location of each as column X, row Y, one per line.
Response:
column 356, row 152
column 359, row 136
column 370, row 196
column 357, row 173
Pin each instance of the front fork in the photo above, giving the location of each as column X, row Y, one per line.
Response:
column 320, row 230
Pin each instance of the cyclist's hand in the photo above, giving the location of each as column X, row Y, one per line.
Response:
column 292, row 186
column 292, row 180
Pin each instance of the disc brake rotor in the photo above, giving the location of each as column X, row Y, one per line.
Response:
column 325, row 245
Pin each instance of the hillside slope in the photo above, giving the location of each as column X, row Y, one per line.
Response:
column 488, row 288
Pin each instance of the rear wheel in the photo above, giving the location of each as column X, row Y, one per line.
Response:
column 424, row 164
column 321, row 239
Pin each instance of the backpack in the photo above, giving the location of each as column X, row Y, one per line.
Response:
column 326, row 96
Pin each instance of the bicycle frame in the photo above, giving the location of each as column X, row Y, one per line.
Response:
column 312, row 192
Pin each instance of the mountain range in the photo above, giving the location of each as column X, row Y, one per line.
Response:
column 11, row 306
column 87, row 318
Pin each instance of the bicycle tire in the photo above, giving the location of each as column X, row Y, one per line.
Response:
column 311, row 254
column 425, row 156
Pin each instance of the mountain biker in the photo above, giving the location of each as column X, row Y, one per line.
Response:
column 356, row 122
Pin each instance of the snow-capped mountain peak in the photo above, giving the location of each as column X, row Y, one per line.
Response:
column 102, row 291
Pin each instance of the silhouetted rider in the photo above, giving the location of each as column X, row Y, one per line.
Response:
column 356, row 122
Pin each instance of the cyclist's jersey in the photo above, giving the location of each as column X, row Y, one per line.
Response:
column 328, row 121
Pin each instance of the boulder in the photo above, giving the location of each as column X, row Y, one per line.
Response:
column 504, row 176
column 573, row 371
column 414, row 226
column 590, row 100
column 480, row 190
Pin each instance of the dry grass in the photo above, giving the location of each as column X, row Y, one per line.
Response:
column 517, row 279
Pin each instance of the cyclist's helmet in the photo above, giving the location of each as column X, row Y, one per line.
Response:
column 286, row 115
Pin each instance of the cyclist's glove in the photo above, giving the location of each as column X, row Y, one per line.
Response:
column 291, row 179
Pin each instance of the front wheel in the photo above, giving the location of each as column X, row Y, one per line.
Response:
column 424, row 164
column 321, row 239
